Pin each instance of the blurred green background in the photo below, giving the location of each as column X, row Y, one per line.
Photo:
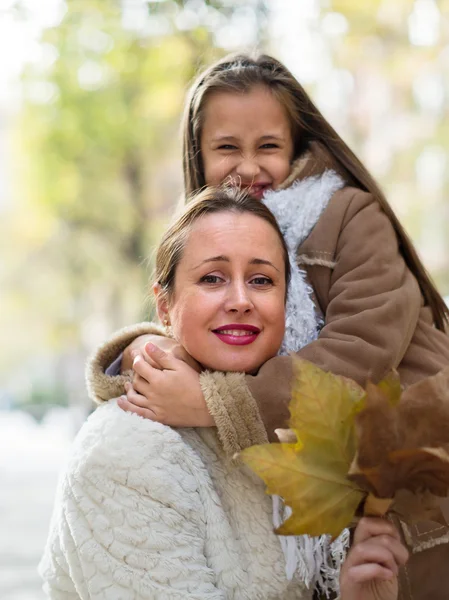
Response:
column 91, row 93
column 91, row 164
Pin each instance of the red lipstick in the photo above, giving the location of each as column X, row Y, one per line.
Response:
column 237, row 334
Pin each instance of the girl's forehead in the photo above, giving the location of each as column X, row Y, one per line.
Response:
column 253, row 108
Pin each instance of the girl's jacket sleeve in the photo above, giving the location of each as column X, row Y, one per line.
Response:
column 124, row 525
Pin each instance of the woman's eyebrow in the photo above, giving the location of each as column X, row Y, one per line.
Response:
column 262, row 261
column 222, row 258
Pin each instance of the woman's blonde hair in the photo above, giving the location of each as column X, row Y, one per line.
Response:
column 239, row 73
column 209, row 201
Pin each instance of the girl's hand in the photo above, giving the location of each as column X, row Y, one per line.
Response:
column 171, row 346
column 169, row 392
column 371, row 567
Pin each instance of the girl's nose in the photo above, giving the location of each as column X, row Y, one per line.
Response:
column 238, row 299
column 248, row 169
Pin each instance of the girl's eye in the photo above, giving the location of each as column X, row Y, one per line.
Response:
column 262, row 281
column 227, row 147
column 210, row 279
column 269, row 146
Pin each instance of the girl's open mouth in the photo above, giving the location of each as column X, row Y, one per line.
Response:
column 257, row 190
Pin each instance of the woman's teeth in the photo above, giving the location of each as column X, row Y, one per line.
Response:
column 236, row 332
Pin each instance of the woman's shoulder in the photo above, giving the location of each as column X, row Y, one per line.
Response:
column 115, row 447
column 113, row 427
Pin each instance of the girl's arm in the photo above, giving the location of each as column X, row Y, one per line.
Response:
column 128, row 521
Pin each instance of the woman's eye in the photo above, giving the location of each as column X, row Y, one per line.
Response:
column 210, row 279
column 269, row 146
column 262, row 281
column 227, row 147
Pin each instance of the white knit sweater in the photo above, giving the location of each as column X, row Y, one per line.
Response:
column 146, row 511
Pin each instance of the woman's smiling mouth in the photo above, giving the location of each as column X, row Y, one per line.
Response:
column 237, row 334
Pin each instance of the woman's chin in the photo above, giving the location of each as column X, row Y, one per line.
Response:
column 233, row 366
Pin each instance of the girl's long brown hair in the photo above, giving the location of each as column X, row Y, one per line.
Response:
column 239, row 73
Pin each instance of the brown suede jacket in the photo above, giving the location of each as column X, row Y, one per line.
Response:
column 374, row 320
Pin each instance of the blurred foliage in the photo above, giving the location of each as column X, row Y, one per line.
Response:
column 98, row 145
column 97, row 165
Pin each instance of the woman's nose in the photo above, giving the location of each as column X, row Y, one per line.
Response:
column 238, row 300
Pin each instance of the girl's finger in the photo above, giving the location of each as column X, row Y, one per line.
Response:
column 144, row 369
column 370, row 552
column 142, row 386
column 127, row 406
column 369, row 571
column 138, row 399
column 368, row 527
column 164, row 360
column 393, row 545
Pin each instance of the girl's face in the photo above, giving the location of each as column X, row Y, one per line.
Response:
column 228, row 306
column 246, row 140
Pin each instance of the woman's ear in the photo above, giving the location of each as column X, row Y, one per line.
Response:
column 161, row 303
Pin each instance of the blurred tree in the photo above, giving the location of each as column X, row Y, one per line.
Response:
column 394, row 58
column 102, row 169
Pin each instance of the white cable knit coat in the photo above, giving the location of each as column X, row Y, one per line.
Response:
column 146, row 511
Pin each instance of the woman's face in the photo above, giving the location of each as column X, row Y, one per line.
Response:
column 246, row 140
column 227, row 309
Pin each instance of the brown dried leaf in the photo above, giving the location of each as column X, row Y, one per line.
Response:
column 404, row 445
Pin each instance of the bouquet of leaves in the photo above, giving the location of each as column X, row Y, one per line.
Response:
column 351, row 451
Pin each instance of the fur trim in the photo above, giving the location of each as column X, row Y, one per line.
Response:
column 297, row 210
column 234, row 410
column 314, row 162
column 102, row 387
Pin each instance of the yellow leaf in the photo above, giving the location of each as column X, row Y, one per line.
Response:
column 311, row 474
column 323, row 409
column 322, row 500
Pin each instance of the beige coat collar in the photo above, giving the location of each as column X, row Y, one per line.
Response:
column 313, row 162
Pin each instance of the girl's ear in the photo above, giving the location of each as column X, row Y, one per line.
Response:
column 161, row 303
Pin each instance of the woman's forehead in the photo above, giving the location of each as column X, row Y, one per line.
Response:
column 232, row 234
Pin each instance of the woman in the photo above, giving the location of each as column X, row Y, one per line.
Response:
column 146, row 511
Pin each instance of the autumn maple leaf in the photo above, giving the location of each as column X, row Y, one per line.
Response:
column 311, row 474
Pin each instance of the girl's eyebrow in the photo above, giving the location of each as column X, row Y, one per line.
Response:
column 222, row 258
column 269, row 136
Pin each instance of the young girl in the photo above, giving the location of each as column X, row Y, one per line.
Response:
column 144, row 511
column 250, row 123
